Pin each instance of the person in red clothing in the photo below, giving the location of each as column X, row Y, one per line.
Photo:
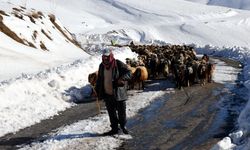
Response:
column 111, row 87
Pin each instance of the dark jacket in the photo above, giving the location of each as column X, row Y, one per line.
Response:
column 121, row 71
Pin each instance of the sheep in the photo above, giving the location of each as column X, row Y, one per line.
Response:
column 92, row 78
column 139, row 76
column 132, row 70
column 210, row 71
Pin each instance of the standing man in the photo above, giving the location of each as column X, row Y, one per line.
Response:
column 111, row 87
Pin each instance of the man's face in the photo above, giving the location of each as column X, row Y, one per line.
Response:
column 105, row 59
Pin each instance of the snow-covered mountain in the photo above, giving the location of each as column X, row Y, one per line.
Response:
column 32, row 41
column 239, row 4
column 97, row 22
column 42, row 69
column 174, row 21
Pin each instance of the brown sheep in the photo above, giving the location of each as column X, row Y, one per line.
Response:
column 132, row 69
column 210, row 71
column 139, row 76
column 92, row 78
column 130, row 82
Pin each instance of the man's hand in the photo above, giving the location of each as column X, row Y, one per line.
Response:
column 119, row 83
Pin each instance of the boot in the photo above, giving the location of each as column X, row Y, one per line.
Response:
column 111, row 132
column 125, row 130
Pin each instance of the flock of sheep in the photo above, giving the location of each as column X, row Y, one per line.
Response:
column 177, row 61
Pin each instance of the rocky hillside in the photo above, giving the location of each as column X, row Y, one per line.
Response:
column 34, row 28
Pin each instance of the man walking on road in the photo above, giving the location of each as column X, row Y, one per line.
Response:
column 111, row 87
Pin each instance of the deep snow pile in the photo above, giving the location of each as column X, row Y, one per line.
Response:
column 43, row 95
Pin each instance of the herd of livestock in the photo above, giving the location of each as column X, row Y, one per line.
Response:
column 176, row 61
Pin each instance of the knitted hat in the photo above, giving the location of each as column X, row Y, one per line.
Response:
column 106, row 52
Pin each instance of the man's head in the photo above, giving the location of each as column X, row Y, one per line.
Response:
column 106, row 52
column 107, row 56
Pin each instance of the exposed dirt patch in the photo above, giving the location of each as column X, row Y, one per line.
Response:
column 18, row 15
column 46, row 34
column 34, row 35
column 43, row 46
column 17, row 9
column 8, row 32
column 35, row 15
column 40, row 14
column 29, row 44
column 53, row 19
column 3, row 13
column 32, row 19
column 22, row 7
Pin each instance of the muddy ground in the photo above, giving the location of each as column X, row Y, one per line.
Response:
column 193, row 118
column 179, row 122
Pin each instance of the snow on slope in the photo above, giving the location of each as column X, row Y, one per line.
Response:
column 42, row 43
column 239, row 4
column 173, row 21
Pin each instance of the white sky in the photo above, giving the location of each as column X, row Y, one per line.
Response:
column 26, row 72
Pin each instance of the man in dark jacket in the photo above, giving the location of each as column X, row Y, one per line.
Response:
column 110, row 87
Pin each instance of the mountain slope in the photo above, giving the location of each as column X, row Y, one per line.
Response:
column 32, row 41
column 173, row 21
column 239, row 4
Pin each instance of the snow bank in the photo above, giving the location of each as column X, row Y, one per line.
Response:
column 30, row 98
